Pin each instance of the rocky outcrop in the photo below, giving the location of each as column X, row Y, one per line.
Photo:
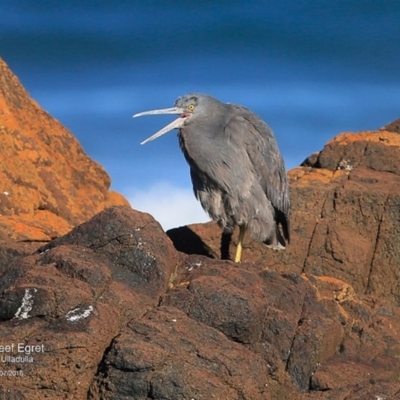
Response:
column 345, row 217
column 113, row 308
column 393, row 126
column 48, row 184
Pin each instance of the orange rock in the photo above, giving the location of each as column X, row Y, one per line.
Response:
column 383, row 136
column 377, row 150
column 307, row 175
column 47, row 183
column 331, row 288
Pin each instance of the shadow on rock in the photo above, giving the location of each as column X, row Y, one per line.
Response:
column 187, row 241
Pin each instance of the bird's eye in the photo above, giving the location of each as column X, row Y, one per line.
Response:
column 190, row 107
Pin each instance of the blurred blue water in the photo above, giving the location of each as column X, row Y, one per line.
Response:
column 311, row 69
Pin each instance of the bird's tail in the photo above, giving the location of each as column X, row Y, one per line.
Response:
column 277, row 241
column 284, row 222
column 281, row 238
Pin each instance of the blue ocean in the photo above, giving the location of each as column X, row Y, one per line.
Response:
column 310, row 69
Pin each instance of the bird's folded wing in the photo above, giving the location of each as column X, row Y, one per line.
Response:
column 255, row 137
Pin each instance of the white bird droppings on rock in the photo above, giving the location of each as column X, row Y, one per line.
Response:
column 27, row 303
column 78, row 313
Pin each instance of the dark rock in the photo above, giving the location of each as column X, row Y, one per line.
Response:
column 11, row 250
column 296, row 323
column 166, row 355
column 311, row 161
column 138, row 254
column 74, row 298
column 393, row 126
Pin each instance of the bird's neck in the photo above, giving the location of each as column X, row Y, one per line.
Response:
column 196, row 143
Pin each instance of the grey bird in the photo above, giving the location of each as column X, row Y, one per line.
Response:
column 237, row 170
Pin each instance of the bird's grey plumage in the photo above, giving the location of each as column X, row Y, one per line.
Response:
column 237, row 171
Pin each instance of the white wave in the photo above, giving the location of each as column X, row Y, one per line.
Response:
column 170, row 205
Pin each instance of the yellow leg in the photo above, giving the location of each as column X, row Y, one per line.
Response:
column 239, row 248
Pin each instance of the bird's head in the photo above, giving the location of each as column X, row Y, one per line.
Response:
column 188, row 107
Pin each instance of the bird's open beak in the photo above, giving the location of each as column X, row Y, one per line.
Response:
column 178, row 123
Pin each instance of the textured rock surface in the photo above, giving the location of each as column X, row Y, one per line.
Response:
column 393, row 126
column 75, row 295
column 122, row 315
column 47, row 183
column 345, row 217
